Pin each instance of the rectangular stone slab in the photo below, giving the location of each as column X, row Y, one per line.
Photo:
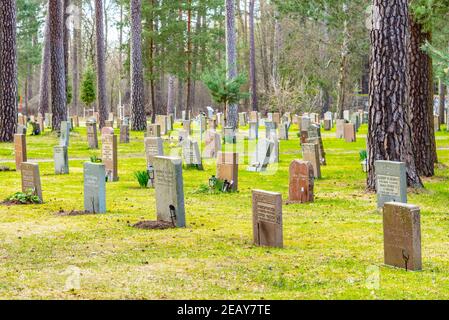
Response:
column 61, row 159
column 169, row 189
column 301, row 182
column 20, row 149
column 109, row 156
column 31, row 178
column 402, row 235
column 391, row 182
column 228, row 168
column 267, row 218
column 94, row 187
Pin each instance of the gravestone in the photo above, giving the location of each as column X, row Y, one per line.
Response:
column 31, row 179
column 253, row 133
column 187, row 126
column 182, row 135
column 20, row 149
column 276, row 118
column 153, row 147
column 242, row 119
column 109, row 123
column 270, row 129
column 124, row 134
column 212, row 144
column 65, row 134
column 436, row 123
column 274, row 155
column 153, row 130
column 314, row 136
column 283, row 131
column 310, row 152
column 340, row 128
column 305, row 123
column 267, row 218
column 169, row 190
column 253, row 116
column 203, row 123
column 355, row 119
column 349, row 132
column 94, row 187
column 228, row 168
column 61, row 159
column 346, row 115
column 402, row 236
column 327, row 124
column 212, row 124
column 229, row 135
column 191, row 154
column 261, row 157
column 76, row 120
column 161, row 120
column 170, row 122
column 109, row 155
column 301, row 182
column 92, row 138
column 40, row 121
column 391, row 182
column 21, row 129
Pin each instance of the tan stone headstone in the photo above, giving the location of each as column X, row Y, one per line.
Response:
column 301, row 182
column 402, row 235
column 31, row 179
column 349, row 132
column 267, row 218
column 228, row 168
column 340, row 125
column 20, row 149
column 153, row 130
column 109, row 156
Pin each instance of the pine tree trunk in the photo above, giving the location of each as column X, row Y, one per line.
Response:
column 252, row 58
column 231, row 60
column 66, row 46
column 138, row 118
column 58, row 90
column 389, row 134
column 75, row 67
column 343, row 72
column 421, row 101
column 45, row 71
column 8, row 71
column 101, row 68
column 189, row 57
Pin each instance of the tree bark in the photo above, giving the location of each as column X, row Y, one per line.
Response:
column 138, row 118
column 252, row 58
column 45, row 71
column 442, row 93
column 231, row 61
column 8, row 71
column 421, row 101
column 58, row 89
column 171, row 95
column 101, row 69
column 189, row 57
column 66, row 46
column 389, row 134
column 75, row 67
column 343, row 73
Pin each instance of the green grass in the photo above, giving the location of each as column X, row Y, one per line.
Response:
column 329, row 244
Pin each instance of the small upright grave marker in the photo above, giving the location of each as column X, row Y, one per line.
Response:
column 31, row 179
column 267, row 219
column 94, row 187
column 391, row 182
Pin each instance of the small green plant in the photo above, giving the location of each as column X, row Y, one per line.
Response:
column 363, row 155
column 142, row 177
column 27, row 197
column 95, row 159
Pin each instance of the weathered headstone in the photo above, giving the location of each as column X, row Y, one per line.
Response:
column 283, row 131
column 310, row 152
column 65, row 134
column 124, row 134
column 40, row 121
column 212, row 144
column 253, row 116
column 186, row 125
column 391, row 182
column 228, row 168
column 31, row 179
column 305, row 123
column 276, row 118
column 92, row 138
column 267, row 218
column 270, row 129
column 436, row 123
column 191, row 154
column 402, row 236
column 169, row 190
column 253, row 133
column 301, row 182
column 109, row 123
column 109, row 156
column 153, row 147
column 349, row 132
column 261, row 157
column 94, row 187
column 153, row 130
column 20, row 149
column 274, row 155
column 347, row 115
column 340, row 128
column 229, row 135
column 327, row 124
column 314, row 136
column 61, row 159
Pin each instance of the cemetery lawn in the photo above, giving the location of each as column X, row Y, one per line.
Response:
column 333, row 247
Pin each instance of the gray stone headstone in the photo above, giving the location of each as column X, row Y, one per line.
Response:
column 61, row 159
column 270, row 129
column 191, row 154
column 31, row 179
column 92, row 138
column 391, row 182
column 283, row 131
column 153, row 147
column 65, row 134
column 169, row 189
column 253, row 133
column 261, row 158
column 94, row 187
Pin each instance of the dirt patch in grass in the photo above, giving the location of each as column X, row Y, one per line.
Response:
column 153, row 225
column 15, row 203
column 73, row 213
